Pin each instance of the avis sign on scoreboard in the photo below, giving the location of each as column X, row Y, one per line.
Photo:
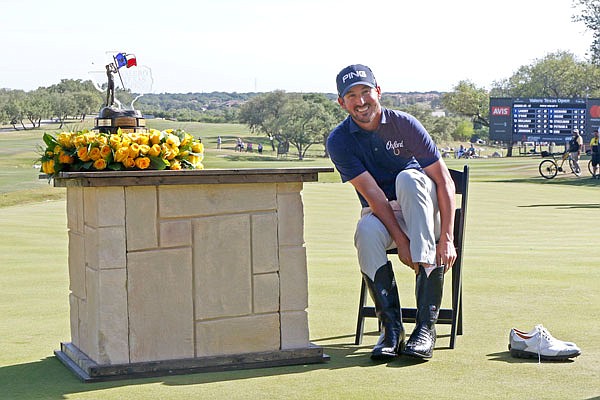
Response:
column 542, row 119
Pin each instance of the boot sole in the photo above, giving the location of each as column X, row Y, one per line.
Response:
column 526, row 354
column 383, row 356
column 415, row 354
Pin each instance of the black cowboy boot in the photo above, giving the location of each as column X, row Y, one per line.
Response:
column 429, row 299
column 384, row 293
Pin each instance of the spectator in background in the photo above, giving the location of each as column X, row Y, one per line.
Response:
column 595, row 146
column 575, row 150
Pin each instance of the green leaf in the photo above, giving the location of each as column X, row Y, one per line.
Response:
column 158, row 163
column 50, row 140
column 115, row 166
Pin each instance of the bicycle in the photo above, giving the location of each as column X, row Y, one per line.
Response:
column 591, row 169
column 551, row 167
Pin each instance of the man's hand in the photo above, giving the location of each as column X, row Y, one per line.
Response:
column 405, row 257
column 445, row 254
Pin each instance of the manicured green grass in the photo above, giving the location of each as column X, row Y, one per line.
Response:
column 531, row 257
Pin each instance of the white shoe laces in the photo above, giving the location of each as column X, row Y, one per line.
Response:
column 543, row 333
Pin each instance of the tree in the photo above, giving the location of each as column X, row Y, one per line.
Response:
column 558, row 74
column 469, row 101
column 262, row 113
column 590, row 16
column 36, row 105
column 332, row 114
column 63, row 106
column 299, row 120
column 302, row 124
column 13, row 108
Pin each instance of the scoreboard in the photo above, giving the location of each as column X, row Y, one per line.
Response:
column 542, row 119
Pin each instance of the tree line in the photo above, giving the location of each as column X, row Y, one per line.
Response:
column 302, row 120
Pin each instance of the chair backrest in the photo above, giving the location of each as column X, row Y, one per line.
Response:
column 461, row 183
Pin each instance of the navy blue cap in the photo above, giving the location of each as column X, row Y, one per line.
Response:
column 353, row 75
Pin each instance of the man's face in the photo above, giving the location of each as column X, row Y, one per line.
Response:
column 362, row 103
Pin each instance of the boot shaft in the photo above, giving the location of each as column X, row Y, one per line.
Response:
column 429, row 291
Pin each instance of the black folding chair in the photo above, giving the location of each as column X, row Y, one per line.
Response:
column 452, row 316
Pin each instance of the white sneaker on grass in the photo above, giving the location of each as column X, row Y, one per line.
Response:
column 539, row 343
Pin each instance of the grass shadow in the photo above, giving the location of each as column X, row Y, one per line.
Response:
column 505, row 356
column 562, row 181
column 55, row 381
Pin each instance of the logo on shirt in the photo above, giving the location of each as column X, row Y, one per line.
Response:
column 394, row 146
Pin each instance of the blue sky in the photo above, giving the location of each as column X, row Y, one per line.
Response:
column 263, row 45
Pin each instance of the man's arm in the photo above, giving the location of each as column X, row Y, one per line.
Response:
column 367, row 187
column 438, row 172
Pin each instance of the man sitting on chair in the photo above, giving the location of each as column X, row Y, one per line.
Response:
column 407, row 195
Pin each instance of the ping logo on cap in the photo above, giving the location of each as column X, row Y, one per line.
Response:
column 352, row 75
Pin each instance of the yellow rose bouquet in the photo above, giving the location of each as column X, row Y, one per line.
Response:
column 94, row 151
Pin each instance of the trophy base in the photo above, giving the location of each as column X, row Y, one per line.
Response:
column 110, row 119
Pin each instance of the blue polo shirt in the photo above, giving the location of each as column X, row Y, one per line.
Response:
column 400, row 142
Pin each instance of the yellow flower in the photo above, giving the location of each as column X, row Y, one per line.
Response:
column 142, row 162
column 101, row 139
column 82, row 154
column 175, row 165
column 155, row 150
column 198, row 147
column 64, row 158
column 105, row 151
column 100, row 164
column 134, row 150
column 115, row 141
column 154, row 136
column 143, row 140
column 94, row 153
column 173, row 140
column 64, row 139
column 48, row 167
column 144, row 149
column 122, row 154
column 187, row 139
column 79, row 140
column 129, row 162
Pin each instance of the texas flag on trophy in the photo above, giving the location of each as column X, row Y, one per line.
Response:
column 125, row 60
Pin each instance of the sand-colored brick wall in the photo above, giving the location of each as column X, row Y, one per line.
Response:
column 181, row 271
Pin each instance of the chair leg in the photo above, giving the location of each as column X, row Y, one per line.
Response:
column 361, row 317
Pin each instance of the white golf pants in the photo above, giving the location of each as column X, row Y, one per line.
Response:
column 417, row 213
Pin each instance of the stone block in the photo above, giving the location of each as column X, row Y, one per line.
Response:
column 141, row 217
column 222, row 266
column 290, row 216
column 75, row 217
column 294, row 330
column 266, row 293
column 113, row 338
column 238, row 335
column 104, row 206
column 265, row 256
column 161, row 312
column 77, row 264
column 74, row 318
column 111, row 247
column 293, row 278
column 203, row 200
column 289, row 187
column 175, row 233
column 89, row 315
column 91, row 247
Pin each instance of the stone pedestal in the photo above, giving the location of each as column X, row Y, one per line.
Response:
column 186, row 271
